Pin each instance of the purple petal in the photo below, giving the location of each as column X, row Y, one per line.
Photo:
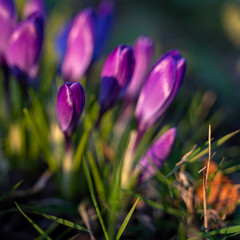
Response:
column 25, row 45
column 79, row 98
column 61, row 40
column 8, row 22
column 65, row 107
column 33, row 6
column 109, row 92
column 157, row 154
column 116, row 74
column 155, row 92
column 144, row 53
column 80, row 47
column 103, row 23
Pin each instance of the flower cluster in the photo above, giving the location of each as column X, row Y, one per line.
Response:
column 21, row 43
column 127, row 73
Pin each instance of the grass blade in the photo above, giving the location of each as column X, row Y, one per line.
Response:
column 126, row 220
column 204, row 151
column 63, row 222
column 91, row 189
column 223, row 231
column 33, row 223
column 50, row 160
column 7, row 194
column 169, row 210
column 97, row 177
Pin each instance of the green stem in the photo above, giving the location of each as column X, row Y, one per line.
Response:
column 67, row 168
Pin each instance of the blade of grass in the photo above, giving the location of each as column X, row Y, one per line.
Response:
column 126, row 220
column 7, row 194
column 169, row 210
column 88, row 125
column 91, row 189
column 97, row 177
column 50, row 160
column 226, row 230
column 63, row 221
column 33, row 223
column 194, row 157
column 49, row 230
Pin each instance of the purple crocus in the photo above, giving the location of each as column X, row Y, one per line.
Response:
column 32, row 6
column 8, row 22
column 25, row 46
column 159, row 90
column 82, row 40
column 70, row 104
column 79, row 46
column 156, row 155
column 143, row 53
column 116, row 75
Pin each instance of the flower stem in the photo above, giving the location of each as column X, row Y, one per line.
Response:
column 67, row 168
column 8, row 103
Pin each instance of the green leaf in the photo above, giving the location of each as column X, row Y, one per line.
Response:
column 97, row 177
column 63, row 221
column 42, row 143
column 91, row 189
column 7, row 194
column 33, row 223
column 169, row 210
column 226, row 230
column 126, row 220
column 194, row 157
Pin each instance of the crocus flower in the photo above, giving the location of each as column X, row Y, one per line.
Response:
column 32, row 6
column 79, row 46
column 8, row 21
column 156, row 155
column 25, row 46
column 159, row 90
column 116, row 74
column 70, row 104
column 143, row 53
column 82, row 40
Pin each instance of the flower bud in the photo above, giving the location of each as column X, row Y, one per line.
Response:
column 70, row 104
column 116, row 75
column 32, row 6
column 79, row 46
column 143, row 53
column 25, row 46
column 160, row 88
column 156, row 154
column 8, row 21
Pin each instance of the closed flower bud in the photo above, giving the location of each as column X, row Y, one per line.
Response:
column 79, row 46
column 160, row 88
column 116, row 75
column 156, row 155
column 32, row 6
column 25, row 46
column 70, row 104
column 143, row 53
column 8, row 21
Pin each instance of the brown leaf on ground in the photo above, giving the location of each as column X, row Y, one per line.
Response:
column 223, row 193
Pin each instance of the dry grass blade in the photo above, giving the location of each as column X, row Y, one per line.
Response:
column 205, row 179
column 83, row 212
column 186, row 156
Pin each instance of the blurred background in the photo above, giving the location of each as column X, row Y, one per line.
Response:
column 207, row 33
